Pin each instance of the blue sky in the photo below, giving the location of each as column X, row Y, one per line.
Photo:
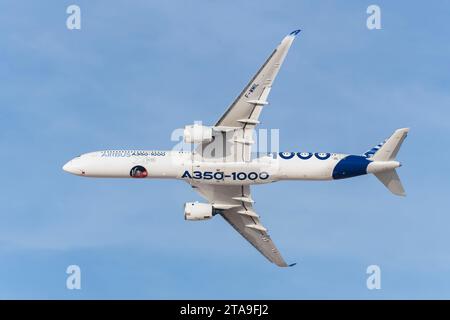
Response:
column 137, row 70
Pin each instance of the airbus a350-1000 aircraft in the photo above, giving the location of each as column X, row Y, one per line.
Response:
column 222, row 169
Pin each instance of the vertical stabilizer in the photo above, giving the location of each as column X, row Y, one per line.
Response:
column 388, row 151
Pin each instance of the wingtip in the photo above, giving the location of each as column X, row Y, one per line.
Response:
column 292, row 264
column 295, row 32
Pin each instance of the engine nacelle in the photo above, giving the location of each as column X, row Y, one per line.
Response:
column 198, row 211
column 197, row 134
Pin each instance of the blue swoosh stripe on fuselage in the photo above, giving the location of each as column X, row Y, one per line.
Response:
column 350, row 166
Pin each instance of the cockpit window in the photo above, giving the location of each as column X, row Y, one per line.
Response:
column 138, row 172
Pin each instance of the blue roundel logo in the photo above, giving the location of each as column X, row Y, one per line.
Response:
column 304, row 155
column 287, row 155
column 322, row 155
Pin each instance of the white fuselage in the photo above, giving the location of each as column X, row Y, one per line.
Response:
column 181, row 165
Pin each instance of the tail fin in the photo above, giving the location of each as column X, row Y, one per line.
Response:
column 387, row 151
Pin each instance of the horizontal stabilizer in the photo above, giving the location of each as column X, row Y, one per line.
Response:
column 392, row 181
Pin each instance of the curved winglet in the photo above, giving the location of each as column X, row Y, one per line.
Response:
column 295, row 32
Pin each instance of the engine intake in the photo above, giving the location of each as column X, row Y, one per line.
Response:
column 197, row 134
column 198, row 211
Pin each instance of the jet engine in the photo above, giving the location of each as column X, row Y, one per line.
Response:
column 198, row 211
column 197, row 133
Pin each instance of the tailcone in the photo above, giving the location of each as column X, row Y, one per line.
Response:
column 382, row 166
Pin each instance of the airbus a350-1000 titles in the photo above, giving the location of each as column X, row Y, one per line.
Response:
column 222, row 169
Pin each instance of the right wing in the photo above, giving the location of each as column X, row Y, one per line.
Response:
column 235, row 205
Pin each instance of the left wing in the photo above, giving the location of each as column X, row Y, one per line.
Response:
column 246, row 108
column 235, row 205
column 233, row 137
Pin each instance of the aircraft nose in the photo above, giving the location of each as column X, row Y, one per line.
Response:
column 72, row 168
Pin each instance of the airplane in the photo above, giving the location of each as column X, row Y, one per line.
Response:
column 220, row 165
